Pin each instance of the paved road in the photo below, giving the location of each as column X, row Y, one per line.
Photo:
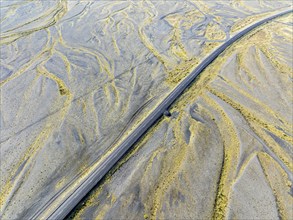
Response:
column 69, row 202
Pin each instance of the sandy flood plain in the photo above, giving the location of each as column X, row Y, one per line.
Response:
column 78, row 75
column 226, row 151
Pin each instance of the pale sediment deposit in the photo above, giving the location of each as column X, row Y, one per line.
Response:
column 76, row 76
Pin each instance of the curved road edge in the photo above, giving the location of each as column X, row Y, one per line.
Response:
column 69, row 202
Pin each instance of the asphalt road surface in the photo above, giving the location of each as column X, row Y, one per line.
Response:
column 70, row 201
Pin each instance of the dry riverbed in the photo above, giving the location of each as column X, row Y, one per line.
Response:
column 226, row 151
column 76, row 76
